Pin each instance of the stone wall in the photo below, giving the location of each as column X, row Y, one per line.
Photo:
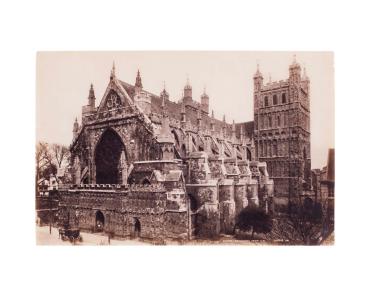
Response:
column 123, row 210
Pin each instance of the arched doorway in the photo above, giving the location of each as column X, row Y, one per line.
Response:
column 99, row 221
column 110, row 159
column 137, row 227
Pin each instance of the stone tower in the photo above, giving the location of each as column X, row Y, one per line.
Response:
column 138, row 83
column 282, row 130
column 188, row 96
column 75, row 129
column 91, row 98
column 204, row 101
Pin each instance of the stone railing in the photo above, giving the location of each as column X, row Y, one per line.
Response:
column 275, row 84
column 147, row 188
column 93, row 187
column 115, row 187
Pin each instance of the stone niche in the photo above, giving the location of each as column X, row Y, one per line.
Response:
column 199, row 171
column 240, row 196
column 231, row 167
column 215, row 165
column 227, row 206
column 204, row 206
column 244, row 169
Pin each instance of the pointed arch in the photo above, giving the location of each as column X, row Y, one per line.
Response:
column 99, row 221
column 110, row 158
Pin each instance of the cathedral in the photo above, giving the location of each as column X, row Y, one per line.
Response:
column 149, row 166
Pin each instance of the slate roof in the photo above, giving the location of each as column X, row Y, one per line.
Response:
column 173, row 176
column 174, row 111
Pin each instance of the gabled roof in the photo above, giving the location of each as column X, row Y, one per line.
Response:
column 119, row 89
column 173, row 176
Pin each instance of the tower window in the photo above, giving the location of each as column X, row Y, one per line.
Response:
column 278, row 121
column 270, row 122
column 274, row 99
column 283, row 98
column 266, row 101
column 274, row 148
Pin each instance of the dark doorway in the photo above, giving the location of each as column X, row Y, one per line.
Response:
column 137, row 227
column 249, row 154
column 193, row 203
column 108, row 158
column 183, row 150
column 146, row 182
column 99, row 221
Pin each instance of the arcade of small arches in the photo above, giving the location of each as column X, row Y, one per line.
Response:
column 275, row 99
column 274, row 120
column 278, row 145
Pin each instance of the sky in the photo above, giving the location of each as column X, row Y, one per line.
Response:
column 63, row 80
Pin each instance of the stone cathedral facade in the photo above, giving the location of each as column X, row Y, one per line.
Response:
column 150, row 166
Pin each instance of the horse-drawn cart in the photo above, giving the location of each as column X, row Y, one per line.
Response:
column 71, row 234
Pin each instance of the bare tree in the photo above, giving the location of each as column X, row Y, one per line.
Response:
column 43, row 158
column 60, row 155
column 49, row 158
column 303, row 225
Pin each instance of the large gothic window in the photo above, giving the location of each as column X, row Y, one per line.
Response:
column 265, row 148
column 110, row 159
column 275, row 100
column 283, row 98
column 274, row 148
column 266, row 101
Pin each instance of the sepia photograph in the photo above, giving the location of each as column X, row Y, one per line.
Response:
column 185, row 148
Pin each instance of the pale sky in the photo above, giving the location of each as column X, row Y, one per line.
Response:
column 64, row 78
